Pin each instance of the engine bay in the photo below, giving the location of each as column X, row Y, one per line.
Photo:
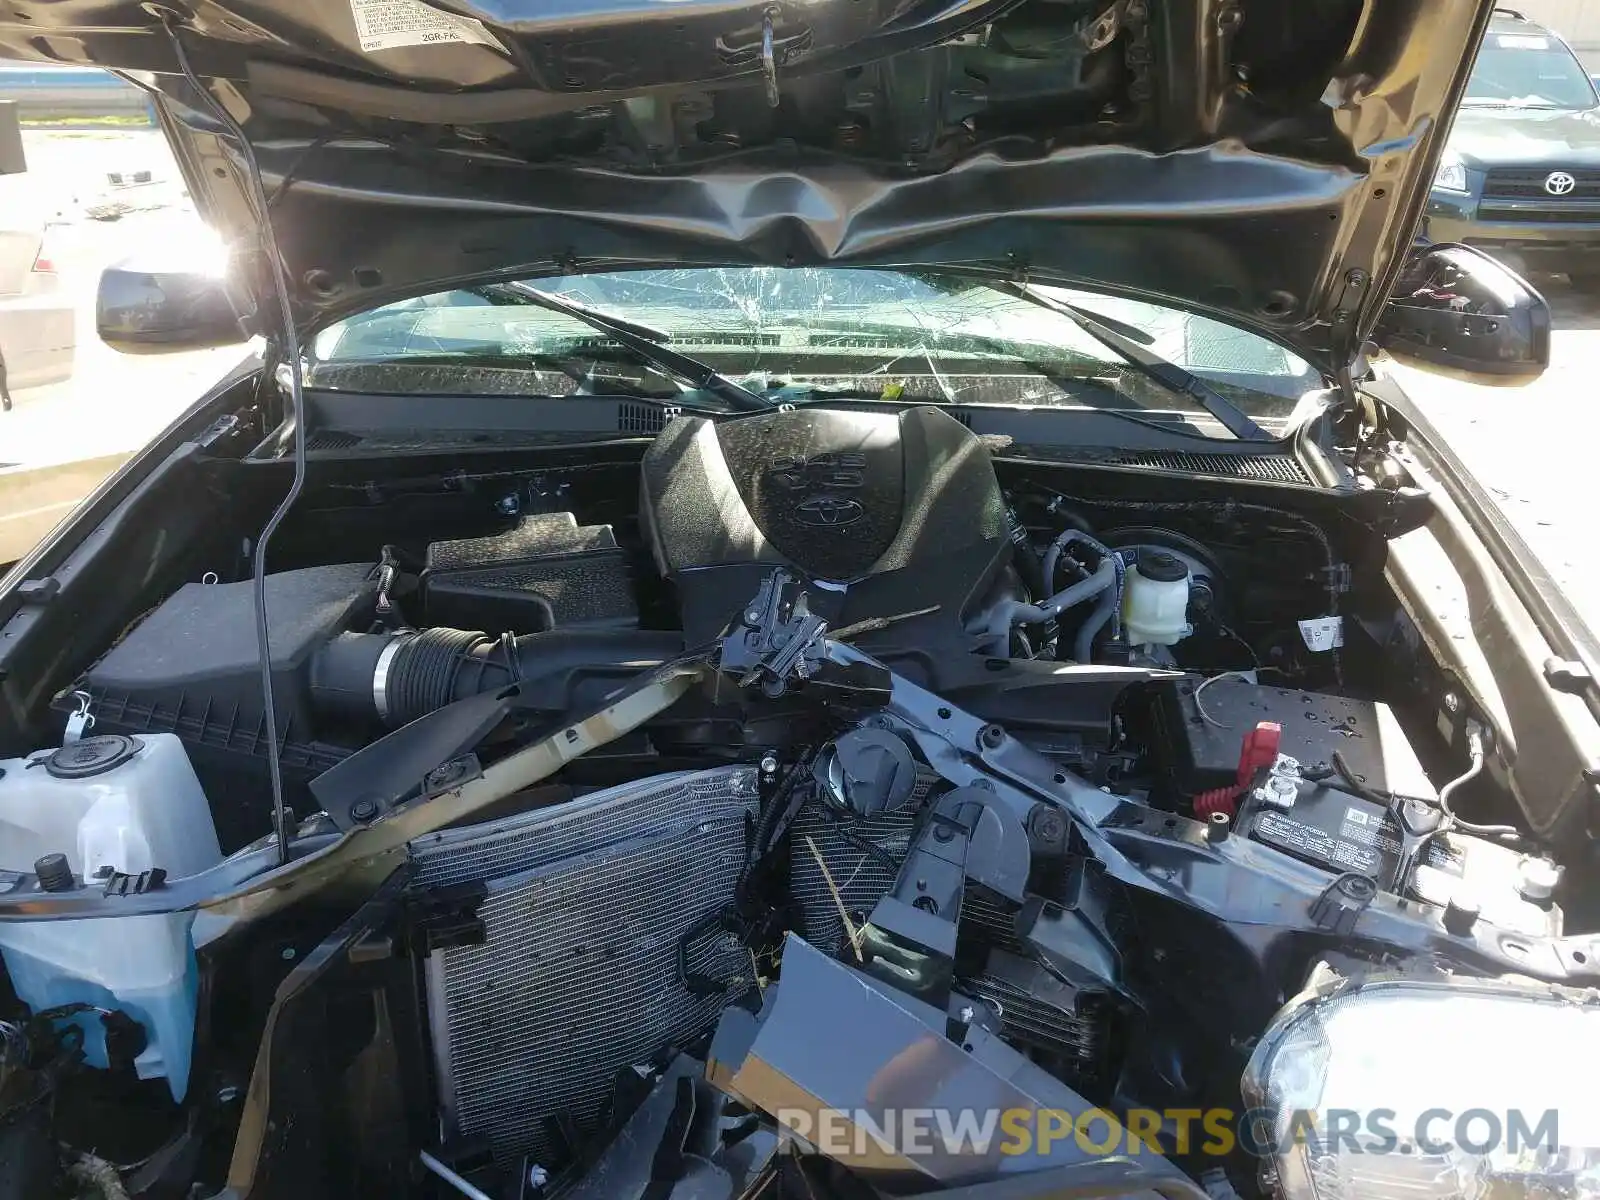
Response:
column 813, row 762
column 1009, row 604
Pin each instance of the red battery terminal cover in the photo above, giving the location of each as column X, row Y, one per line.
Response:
column 1257, row 751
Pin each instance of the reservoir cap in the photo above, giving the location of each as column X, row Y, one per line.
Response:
column 92, row 756
column 1161, row 567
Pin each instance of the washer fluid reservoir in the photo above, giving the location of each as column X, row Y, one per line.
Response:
column 93, row 808
column 1155, row 599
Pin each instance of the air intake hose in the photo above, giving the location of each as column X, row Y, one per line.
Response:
column 398, row 677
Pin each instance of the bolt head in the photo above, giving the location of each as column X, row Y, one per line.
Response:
column 1049, row 825
column 1537, row 878
column 1358, row 887
column 1461, row 914
column 446, row 774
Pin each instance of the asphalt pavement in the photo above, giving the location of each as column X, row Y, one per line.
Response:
column 1533, row 447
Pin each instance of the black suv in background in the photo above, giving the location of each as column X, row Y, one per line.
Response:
column 1521, row 173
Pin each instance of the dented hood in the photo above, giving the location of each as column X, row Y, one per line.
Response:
column 1262, row 161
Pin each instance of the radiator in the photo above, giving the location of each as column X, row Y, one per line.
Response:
column 863, row 857
column 578, row 977
column 860, row 875
column 1042, row 1012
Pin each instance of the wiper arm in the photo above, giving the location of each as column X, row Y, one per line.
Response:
column 648, row 344
column 1168, row 374
column 955, row 285
column 1132, row 332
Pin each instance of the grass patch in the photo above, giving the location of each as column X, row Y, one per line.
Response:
column 86, row 121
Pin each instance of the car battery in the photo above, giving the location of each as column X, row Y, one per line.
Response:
column 1300, row 808
column 1334, row 829
column 1198, row 724
column 545, row 572
column 1350, row 834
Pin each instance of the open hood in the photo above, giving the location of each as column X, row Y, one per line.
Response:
column 1262, row 161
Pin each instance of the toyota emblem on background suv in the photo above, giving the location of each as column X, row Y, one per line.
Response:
column 1559, row 183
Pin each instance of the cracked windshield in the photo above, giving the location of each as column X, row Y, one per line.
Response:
column 809, row 334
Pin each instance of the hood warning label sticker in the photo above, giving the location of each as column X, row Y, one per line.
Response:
column 392, row 24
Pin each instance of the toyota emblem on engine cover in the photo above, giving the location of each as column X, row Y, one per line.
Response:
column 1559, row 183
column 829, row 511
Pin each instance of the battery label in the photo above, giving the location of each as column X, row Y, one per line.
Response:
column 1341, row 834
column 1369, row 829
column 1318, row 844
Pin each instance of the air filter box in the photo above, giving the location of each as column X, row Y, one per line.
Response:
column 545, row 572
column 192, row 667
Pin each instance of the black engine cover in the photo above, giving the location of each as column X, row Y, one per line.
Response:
column 891, row 512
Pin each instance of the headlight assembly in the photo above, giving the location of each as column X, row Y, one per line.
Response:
column 1427, row 1090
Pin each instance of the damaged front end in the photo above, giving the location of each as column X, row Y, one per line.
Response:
column 911, row 952
column 657, row 784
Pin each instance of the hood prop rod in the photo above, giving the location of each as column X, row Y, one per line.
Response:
column 291, row 348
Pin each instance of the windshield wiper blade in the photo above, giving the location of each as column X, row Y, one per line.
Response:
column 648, row 344
column 1168, row 374
column 528, row 362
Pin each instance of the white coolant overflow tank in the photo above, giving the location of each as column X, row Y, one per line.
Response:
column 94, row 810
column 1155, row 599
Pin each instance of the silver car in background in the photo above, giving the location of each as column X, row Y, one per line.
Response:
column 37, row 335
column 37, row 332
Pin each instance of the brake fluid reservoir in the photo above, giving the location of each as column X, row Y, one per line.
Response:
column 109, row 805
column 1155, row 599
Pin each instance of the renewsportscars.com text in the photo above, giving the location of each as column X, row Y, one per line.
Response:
column 1182, row 1131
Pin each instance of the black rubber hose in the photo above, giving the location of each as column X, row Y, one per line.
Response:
column 1026, row 559
column 423, row 676
column 422, row 672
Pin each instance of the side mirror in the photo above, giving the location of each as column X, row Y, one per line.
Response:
column 160, row 312
column 1456, row 311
